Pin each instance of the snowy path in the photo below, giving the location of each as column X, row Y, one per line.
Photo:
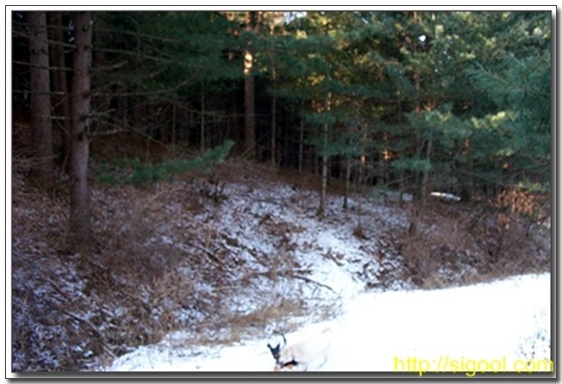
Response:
column 508, row 319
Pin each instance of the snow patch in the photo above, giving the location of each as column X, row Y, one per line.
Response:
column 503, row 319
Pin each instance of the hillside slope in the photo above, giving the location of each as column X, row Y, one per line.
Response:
column 223, row 256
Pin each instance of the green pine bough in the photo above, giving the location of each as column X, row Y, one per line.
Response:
column 134, row 171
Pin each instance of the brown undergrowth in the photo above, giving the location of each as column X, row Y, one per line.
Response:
column 169, row 256
column 160, row 263
column 456, row 244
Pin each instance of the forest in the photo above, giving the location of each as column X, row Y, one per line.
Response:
column 116, row 112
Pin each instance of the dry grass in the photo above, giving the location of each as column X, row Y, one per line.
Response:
column 242, row 326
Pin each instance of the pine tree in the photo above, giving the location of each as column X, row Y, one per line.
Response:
column 40, row 102
column 79, row 227
column 60, row 98
column 164, row 62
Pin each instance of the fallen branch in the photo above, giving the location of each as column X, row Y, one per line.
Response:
column 209, row 254
column 288, row 273
column 333, row 258
column 93, row 328
column 314, row 282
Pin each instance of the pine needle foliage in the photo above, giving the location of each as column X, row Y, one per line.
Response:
column 134, row 171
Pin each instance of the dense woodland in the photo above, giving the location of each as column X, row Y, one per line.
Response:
column 408, row 102
column 412, row 101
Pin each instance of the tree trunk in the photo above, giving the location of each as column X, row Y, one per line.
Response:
column 233, row 123
column 418, row 135
column 60, row 98
column 273, row 122
column 202, row 117
column 347, row 181
column 273, row 97
column 301, row 143
column 40, row 102
column 249, row 91
column 173, row 138
column 425, row 176
column 79, row 230
column 324, row 187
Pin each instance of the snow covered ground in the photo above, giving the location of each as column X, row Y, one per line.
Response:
column 386, row 329
column 503, row 325
column 256, row 262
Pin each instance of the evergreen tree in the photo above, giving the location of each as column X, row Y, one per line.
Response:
column 40, row 101
column 162, row 59
column 519, row 86
column 79, row 226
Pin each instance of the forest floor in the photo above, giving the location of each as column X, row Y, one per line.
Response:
column 235, row 254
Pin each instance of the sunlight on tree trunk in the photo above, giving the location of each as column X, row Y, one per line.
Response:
column 249, row 91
